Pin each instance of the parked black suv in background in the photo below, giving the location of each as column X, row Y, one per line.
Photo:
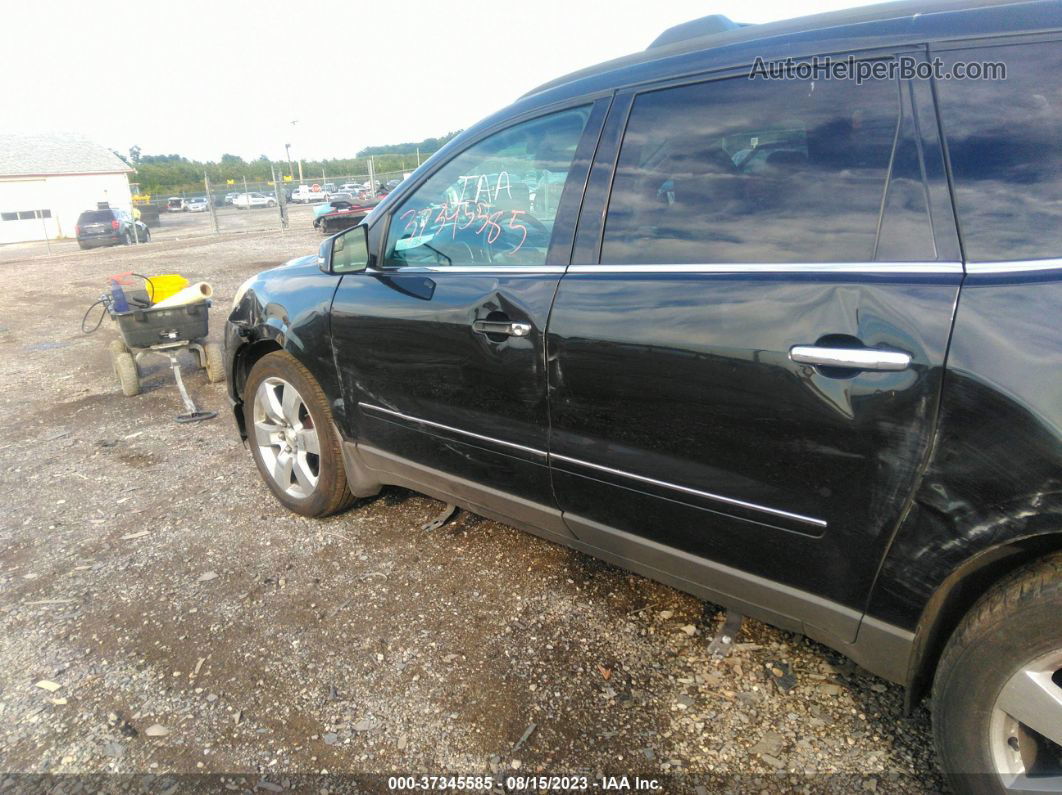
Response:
column 791, row 345
column 110, row 227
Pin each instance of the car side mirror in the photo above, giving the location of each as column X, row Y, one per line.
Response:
column 347, row 252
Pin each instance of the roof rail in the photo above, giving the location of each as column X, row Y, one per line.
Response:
column 705, row 26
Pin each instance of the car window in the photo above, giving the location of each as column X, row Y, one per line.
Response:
column 493, row 204
column 1007, row 163
column 95, row 217
column 753, row 171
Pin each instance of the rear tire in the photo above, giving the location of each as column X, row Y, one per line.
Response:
column 215, row 363
column 1008, row 646
column 287, row 417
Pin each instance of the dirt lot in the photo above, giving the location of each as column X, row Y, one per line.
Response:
column 149, row 575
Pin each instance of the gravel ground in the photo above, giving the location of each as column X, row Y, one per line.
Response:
column 161, row 614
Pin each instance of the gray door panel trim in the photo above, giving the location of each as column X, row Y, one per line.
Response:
column 579, row 462
column 881, row 648
column 696, row 492
column 533, row 451
column 541, row 520
column 784, row 603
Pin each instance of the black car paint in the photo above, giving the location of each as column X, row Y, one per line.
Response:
column 286, row 308
column 731, row 414
column 979, row 477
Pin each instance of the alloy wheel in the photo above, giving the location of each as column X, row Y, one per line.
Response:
column 1026, row 727
column 286, row 437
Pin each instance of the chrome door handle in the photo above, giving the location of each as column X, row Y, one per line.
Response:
column 853, row 358
column 501, row 327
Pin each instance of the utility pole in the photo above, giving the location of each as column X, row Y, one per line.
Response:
column 372, row 178
column 210, row 204
column 44, row 225
column 245, row 193
column 418, row 157
column 293, row 123
column 291, row 170
column 281, row 205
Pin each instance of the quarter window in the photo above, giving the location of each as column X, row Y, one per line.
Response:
column 1005, row 146
column 753, row 171
column 495, row 203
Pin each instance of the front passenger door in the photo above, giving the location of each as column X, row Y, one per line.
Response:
column 440, row 349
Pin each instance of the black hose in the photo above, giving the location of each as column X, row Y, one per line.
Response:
column 150, row 284
column 103, row 312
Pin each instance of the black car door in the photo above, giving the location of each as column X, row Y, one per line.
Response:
column 747, row 352
column 440, row 348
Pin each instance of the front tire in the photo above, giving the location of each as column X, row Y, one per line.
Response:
column 997, row 695
column 293, row 439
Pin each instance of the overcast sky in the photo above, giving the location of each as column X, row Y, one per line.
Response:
column 204, row 78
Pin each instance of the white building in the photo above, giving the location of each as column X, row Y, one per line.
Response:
column 47, row 181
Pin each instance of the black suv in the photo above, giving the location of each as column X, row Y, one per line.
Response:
column 110, row 227
column 791, row 344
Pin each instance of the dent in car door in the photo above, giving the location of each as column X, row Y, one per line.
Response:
column 749, row 221
column 441, row 350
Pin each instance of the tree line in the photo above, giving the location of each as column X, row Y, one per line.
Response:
column 167, row 174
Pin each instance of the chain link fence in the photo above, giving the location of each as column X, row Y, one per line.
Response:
column 246, row 206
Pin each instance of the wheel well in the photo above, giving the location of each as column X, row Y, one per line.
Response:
column 245, row 359
column 954, row 598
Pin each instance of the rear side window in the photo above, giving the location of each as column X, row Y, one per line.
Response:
column 96, row 217
column 754, row 171
column 495, row 203
column 1005, row 145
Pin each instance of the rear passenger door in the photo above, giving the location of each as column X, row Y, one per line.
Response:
column 747, row 351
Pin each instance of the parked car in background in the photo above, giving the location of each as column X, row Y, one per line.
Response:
column 329, row 187
column 175, row 204
column 246, row 201
column 197, row 205
column 350, row 187
column 335, row 202
column 305, row 194
column 229, row 197
column 336, row 215
column 821, row 386
column 110, row 227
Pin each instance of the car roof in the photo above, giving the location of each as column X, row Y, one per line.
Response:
column 714, row 44
column 855, row 28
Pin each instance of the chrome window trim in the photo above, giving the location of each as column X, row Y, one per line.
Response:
column 481, row 269
column 1014, row 266
column 697, row 492
column 532, row 450
column 781, row 267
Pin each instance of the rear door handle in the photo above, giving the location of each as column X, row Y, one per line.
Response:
column 854, row 358
column 501, row 327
